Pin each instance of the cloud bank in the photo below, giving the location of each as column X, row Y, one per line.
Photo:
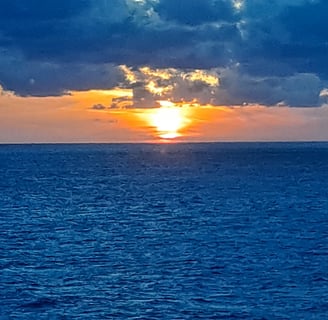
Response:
column 265, row 52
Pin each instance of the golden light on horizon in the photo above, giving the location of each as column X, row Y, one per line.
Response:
column 71, row 118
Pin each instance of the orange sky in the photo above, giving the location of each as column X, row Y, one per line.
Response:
column 70, row 118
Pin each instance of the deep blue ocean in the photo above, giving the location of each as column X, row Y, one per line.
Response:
column 164, row 231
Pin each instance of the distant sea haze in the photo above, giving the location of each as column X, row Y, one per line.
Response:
column 164, row 231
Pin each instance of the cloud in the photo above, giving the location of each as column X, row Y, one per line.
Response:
column 195, row 12
column 41, row 78
column 290, row 34
column 221, row 86
column 121, row 103
column 324, row 92
column 177, row 85
column 98, row 106
column 6, row 93
column 324, row 96
column 302, row 89
column 280, row 47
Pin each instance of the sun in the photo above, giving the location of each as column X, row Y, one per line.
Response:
column 168, row 120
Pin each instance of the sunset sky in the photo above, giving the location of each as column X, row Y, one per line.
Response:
column 163, row 70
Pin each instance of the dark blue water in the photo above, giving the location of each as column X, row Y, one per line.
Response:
column 187, row 231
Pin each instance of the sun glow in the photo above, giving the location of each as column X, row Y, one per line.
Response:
column 168, row 120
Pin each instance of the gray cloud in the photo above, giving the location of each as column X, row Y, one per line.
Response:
column 301, row 89
column 41, row 78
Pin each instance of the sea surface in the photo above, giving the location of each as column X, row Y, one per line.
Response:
column 164, row 231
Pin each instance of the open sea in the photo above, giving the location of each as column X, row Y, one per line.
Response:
column 164, row 231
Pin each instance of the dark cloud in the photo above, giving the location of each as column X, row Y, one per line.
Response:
column 195, row 12
column 118, row 31
column 279, row 47
column 292, row 35
column 307, row 48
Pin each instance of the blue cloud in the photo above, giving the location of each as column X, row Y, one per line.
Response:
column 195, row 12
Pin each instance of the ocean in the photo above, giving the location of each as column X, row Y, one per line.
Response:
column 164, row 231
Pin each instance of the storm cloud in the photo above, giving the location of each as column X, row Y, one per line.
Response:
column 267, row 52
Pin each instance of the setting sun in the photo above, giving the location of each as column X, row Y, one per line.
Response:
column 168, row 121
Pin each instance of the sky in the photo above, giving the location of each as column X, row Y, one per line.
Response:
column 163, row 70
